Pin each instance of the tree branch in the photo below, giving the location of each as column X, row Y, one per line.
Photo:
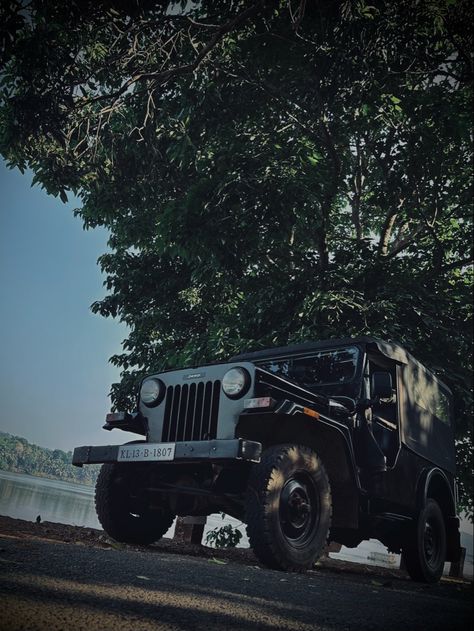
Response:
column 388, row 229
column 162, row 76
column 386, row 234
column 403, row 243
column 460, row 263
column 356, row 199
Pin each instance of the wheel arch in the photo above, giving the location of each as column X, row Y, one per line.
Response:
column 332, row 446
column 434, row 484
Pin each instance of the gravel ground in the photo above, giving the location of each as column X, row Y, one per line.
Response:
column 97, row 538
column 55, row 578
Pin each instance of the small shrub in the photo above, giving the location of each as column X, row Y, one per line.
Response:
column 224, row 537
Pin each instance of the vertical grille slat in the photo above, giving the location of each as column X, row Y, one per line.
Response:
column 198, row 411
column 191, row 411
column 166, row 424
column 174, row 414
column 188, row 432
column 206, row 412
column 216, row 392
column 183, row 404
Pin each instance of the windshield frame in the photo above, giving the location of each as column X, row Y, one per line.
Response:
column 260, row 363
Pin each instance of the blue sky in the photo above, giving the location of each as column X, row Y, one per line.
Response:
column 54, row 371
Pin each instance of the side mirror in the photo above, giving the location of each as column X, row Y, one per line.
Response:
column 381, row 385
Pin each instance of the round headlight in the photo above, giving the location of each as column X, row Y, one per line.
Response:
column 152, row 392
column 236, row 382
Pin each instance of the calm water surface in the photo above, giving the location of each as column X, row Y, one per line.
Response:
column 26, row 496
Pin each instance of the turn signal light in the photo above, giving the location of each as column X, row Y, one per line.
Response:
column 311, row 412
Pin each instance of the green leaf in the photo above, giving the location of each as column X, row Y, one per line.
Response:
column 217, row 561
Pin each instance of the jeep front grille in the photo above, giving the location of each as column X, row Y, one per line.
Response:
column 191, row 412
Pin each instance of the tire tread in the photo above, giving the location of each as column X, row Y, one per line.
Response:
column 116, row 522
column 412, row 555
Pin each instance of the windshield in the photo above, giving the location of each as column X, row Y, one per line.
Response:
column 326, row 367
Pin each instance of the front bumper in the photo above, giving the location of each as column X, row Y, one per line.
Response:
column 198, row 450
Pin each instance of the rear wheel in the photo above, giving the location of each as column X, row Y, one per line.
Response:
column 122, row 509
column 288, row 508
column 425, row 550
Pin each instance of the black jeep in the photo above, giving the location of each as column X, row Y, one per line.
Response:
column 341, row 440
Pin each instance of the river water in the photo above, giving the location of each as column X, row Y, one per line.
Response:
column 25, row 497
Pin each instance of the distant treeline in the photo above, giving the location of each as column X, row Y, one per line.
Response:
column 20, row 456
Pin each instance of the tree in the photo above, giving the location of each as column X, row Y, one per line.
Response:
column 269, row 172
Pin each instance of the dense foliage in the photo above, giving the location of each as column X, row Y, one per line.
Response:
column 20, row 456
column 269, row 172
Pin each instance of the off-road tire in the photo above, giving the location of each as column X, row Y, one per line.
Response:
column 117, row 510
column 424, row 552
column 288, row 508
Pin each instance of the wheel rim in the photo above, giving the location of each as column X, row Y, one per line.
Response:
column 431, row 543
column 299, row 509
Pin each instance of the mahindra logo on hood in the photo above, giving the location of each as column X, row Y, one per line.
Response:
column 194, row 375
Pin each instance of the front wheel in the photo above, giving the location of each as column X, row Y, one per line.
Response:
column 424, row 552
column 122, row 509
column 288, row 508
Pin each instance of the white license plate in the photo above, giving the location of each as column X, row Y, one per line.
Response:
column 149, row 452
